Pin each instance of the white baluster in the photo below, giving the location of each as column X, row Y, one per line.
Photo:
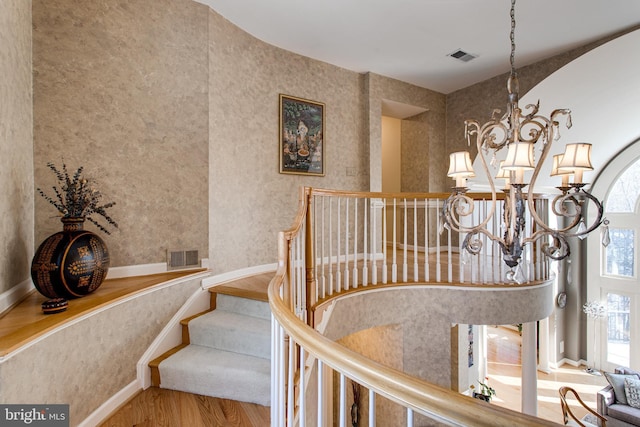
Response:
column 372, row 408
column 374, row 241
column 322, row 285
column 355, row 244
column 338, row 255
column 346, row 245
column 394, row 262
column 438, row 266
column 449, row 257
column 290, row 378
column 365, row 268
column 404, row 249
column 302, row 418
column 321, row 402
column 415, row 240
column 331, row 281
column 426, row 240
column 343, row 400
column 384, row 242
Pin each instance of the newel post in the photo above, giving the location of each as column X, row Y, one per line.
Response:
column 309, row 260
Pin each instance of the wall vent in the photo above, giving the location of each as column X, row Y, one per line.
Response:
column 462, row 55
column 177, row 259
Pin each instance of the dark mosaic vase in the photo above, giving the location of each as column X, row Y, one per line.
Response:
column 71, row 263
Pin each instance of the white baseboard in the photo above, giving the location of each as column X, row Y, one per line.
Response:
column 561, row 362
column 144, row 269
column 16, row 294
column 111, row 405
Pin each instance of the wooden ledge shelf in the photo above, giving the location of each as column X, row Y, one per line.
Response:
column 26, row 322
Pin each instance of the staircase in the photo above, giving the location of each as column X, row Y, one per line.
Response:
column 226, row 350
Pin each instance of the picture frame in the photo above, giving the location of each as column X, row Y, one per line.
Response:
column 301, row 141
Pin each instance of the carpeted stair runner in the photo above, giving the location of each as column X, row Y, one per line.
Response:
column 228, row 355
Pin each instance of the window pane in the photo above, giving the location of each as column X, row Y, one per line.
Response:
column 625, row 191
column 618, row 329
column 620, row 252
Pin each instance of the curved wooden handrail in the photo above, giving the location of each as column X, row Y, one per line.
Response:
column 410, row 195
column 431, row 400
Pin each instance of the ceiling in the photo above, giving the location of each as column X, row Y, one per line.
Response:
column 410, row 40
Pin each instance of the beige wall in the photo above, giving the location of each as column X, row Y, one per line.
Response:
column 16, row 143
column 121, row 89
column 379, row 88
column 174, row 111
column 417, row 151
column 391, row 150
column 250, row 201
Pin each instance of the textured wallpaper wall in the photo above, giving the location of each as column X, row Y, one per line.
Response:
column 429, row 147
column 16, row 146
column 89, row 361
column 121, row 89
column 250, row 201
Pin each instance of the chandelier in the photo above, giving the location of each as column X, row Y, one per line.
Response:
column 520, row 132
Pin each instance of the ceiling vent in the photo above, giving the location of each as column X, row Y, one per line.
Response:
column 462, row 55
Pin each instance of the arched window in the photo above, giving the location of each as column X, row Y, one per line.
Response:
column 618, row 284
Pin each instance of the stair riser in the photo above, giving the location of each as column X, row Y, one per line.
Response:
column 220, row 374
column 243, row 306
column 245, row 342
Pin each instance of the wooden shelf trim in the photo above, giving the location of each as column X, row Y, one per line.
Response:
column 25, row 323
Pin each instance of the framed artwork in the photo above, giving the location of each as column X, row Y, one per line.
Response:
column 301, row 136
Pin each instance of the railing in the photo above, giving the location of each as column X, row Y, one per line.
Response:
column 342, row 243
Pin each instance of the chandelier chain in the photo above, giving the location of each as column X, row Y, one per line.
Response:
column 512, row 37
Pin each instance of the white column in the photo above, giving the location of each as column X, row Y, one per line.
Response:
column 529, row 370
column 544, row 347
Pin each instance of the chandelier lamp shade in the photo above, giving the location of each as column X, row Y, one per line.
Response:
column 528, row 137
column 460, row 167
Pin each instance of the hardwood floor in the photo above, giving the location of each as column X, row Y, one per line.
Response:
column 504, row 367
column 156, row 407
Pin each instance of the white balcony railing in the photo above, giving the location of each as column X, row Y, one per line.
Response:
column 343, row 243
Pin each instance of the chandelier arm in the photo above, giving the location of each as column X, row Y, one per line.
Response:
column 483, row 161
column 487, row 137
column 549, row 137
column 474, row 247
column 563, row 211
column 599, row 217
column 560, row 248
column 452, row 211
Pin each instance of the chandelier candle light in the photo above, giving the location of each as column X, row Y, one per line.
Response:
column 520, row 131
